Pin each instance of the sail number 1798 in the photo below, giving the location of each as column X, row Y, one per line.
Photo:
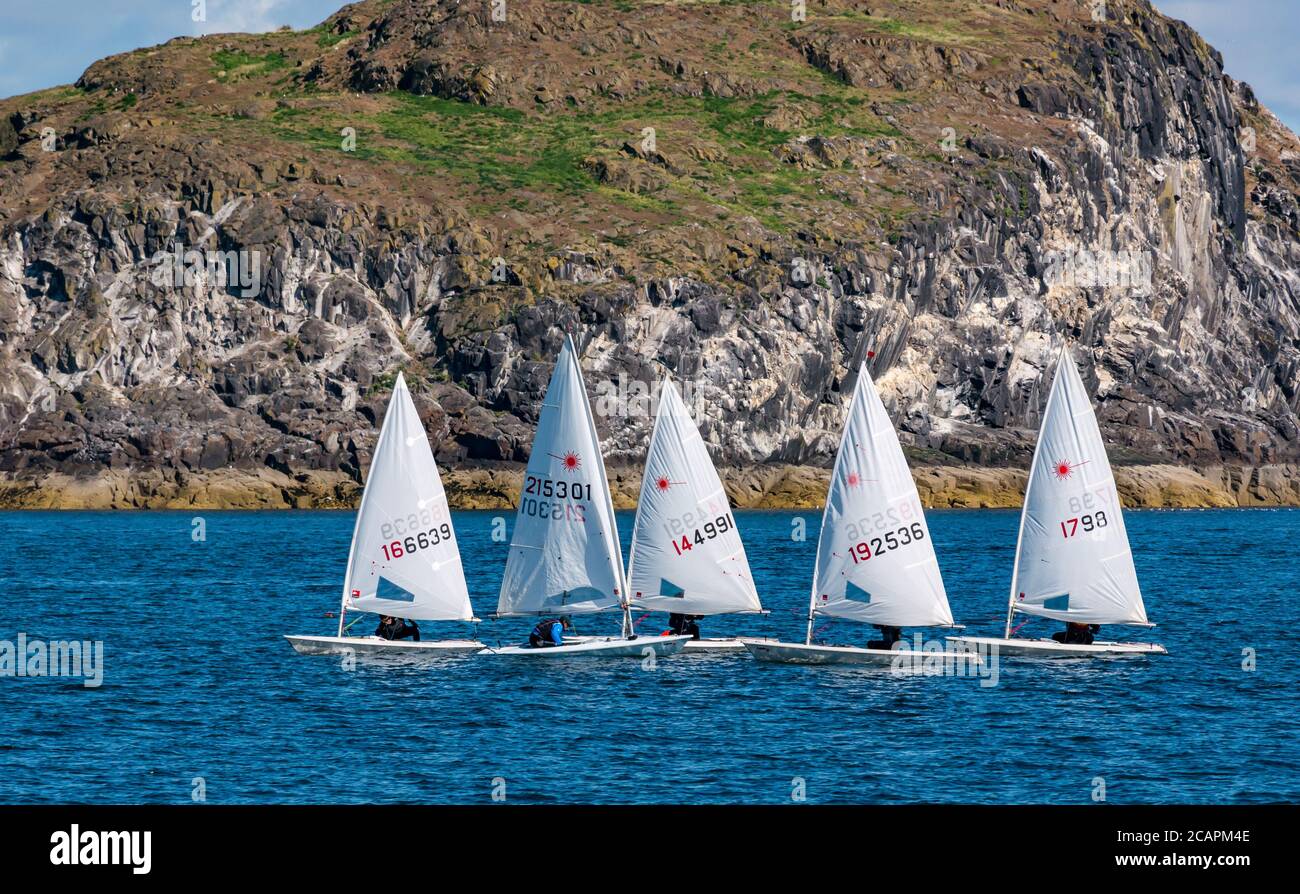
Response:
column 1092, row 522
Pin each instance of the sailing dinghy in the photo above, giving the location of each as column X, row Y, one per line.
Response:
column 404, row 561
column 687, row 557
column 565, row 557
column 1073, row 561
column 875, row 559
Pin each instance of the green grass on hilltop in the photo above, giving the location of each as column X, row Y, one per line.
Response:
column 327, row 38
column 234, row 64
column 498, row 152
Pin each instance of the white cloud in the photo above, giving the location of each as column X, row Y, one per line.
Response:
column 242, row 15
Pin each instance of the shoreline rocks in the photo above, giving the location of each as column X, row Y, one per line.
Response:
column 788, row 487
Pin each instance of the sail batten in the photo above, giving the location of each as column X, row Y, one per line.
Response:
column 875, row 559
column 404, row 559
column 685, row 537
column 564, row 553
column 1074, row 562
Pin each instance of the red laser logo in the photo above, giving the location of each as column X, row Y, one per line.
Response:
column 1063, row 470
column 571, row 461
column 663, row 483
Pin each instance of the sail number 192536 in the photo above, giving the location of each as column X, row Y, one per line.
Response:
column 892, row 540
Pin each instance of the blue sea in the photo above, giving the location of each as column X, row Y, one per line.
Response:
column 201, row 696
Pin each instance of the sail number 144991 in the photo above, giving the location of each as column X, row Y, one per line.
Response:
column 708, row 531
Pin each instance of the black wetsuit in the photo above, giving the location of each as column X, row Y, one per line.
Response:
column 890, row 635
column 1076, row 634
column 684, row 624
column 398, row 628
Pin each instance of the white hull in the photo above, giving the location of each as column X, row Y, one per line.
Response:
column 717, row 644
column 705, row 644
column 599, row 647
column 801, row 653
column 1047, row 648
column 373, row 645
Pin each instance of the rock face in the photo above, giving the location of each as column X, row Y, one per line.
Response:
column 215, row 255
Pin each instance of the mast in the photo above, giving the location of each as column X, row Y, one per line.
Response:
column 1029, row 483
column 826, row 510
column 621, row 573
column 572, row 564
column 400, row 383
column 654, row 430
column 875, row 558
column 812, row 595
column 631, row 550
column 682, row 499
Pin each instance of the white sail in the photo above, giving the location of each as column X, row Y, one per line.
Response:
column 564, row 553
column 1073, row 561
column 686, row 552
column 404, row 559
column 875, row 559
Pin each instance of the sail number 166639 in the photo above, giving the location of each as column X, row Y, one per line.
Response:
column 416, row 542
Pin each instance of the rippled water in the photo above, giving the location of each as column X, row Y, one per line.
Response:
column 199, row 683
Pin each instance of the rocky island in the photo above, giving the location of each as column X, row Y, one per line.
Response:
column 217, row 254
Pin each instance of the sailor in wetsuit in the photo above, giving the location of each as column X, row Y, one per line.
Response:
column 888, row 636
column 1076, row 634
column 684, row 624
column 397, row 628
column 549, row 632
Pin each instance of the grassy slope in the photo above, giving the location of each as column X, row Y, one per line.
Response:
column 542, row 162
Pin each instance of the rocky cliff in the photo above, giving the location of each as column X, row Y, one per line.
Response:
column 216, row 254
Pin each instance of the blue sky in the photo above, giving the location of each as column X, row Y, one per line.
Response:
column 51, row 42
column 44, row 43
